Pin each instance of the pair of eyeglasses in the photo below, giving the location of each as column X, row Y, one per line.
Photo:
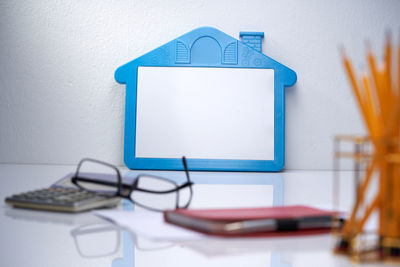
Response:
column 147, row 191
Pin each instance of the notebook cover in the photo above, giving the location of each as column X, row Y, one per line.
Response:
column 242, row 214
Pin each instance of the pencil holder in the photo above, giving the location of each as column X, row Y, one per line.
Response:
column 378, row 98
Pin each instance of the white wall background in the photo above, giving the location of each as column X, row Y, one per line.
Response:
column 59, row 101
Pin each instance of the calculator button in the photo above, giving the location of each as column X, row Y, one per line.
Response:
column 54, row 198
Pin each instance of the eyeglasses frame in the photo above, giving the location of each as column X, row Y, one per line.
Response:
column 125, row 190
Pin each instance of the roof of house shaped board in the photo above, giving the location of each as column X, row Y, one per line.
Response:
column 221, row 50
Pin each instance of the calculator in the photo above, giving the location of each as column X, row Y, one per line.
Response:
column 64, row 199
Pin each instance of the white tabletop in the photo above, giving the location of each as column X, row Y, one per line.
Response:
column 37, row 238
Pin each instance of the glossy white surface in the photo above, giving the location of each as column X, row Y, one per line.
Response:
column 34, row 238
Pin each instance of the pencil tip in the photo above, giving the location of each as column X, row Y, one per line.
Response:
column 341, row 49
column 368, row 45
column 388, row 36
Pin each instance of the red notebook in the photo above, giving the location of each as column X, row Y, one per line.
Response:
column 269, row 221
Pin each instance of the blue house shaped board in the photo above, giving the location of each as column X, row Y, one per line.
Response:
column 205, row 48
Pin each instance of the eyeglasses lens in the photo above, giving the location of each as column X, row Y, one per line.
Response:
column 159, row 198
column 97, row 177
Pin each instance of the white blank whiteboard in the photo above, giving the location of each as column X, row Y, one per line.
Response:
column 205, row 113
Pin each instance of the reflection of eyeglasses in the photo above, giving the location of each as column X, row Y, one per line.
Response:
column 148, row 191
column 104, row 239
column 97, row 240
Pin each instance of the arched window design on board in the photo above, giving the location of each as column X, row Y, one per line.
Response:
column 206, row 50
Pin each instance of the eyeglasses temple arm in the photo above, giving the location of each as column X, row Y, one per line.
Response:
column 186, row 168
column 89, row 180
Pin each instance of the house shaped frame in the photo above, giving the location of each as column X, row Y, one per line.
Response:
column 231, row 53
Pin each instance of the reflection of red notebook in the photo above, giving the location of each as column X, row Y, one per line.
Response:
column 271, row 221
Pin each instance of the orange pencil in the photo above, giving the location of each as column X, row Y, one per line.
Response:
column 356, row 91
column 385, row 97
column 392, row 168
column 371, row 106
column 397, row 140
column 388, row 63
column 348, row 228
column 398, row 81
column 376, row 80
column 374, row 205
column 390, row 94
